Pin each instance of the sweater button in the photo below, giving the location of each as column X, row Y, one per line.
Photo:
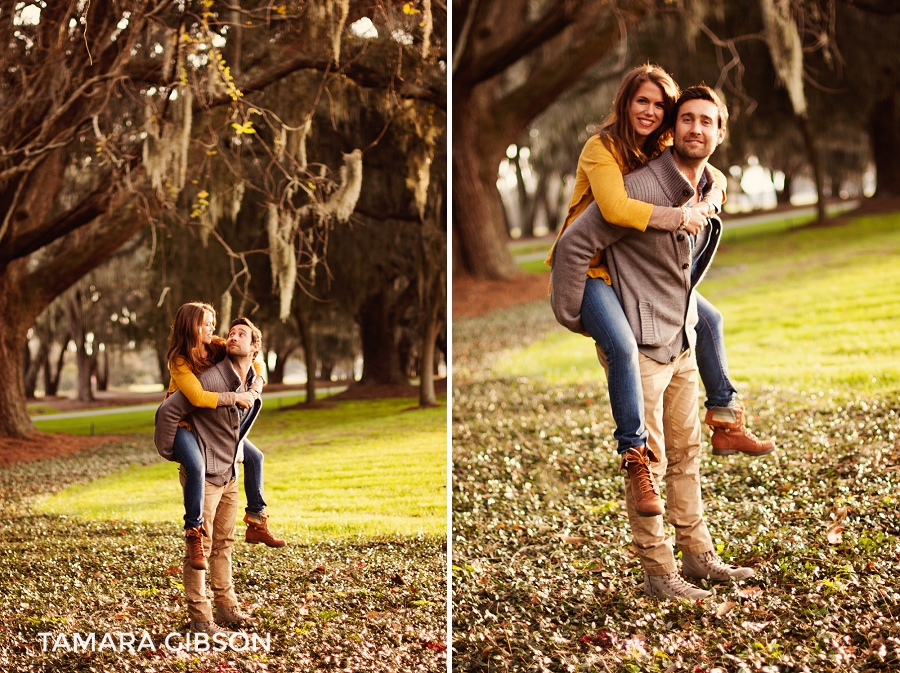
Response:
column 672, row 359
column 680, row 237
column 685, row 266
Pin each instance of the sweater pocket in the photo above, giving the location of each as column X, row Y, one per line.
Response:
column 648, row 324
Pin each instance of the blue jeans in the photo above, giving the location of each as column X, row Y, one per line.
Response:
column 605, row 321
column 187, row 452
column 253, row 478
column 711, row 360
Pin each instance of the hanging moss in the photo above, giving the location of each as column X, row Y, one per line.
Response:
column 280, row 229
column 337, row 16
column 786, row 50
column 343, row 201
column 166, row 145
column 224, row 313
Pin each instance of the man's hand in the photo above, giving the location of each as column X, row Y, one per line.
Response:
column 243, row 400
column 699, row 215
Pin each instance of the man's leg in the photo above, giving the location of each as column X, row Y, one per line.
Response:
column 220, row 579
column 655, row 553
column 661, row 578
column 681, row 426
column 199, row 609
column 684, row 499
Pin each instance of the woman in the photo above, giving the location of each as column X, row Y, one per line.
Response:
column 638, row 130
column 193, row 349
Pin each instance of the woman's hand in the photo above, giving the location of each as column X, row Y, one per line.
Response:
column 243, row 400
column 699, row 215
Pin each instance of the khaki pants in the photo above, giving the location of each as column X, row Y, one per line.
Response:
column 673, row 426
column 219, row 511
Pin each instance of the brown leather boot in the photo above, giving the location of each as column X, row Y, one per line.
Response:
column 646, row 494
column 730, row 435
column 193, row 537
column 258, row 530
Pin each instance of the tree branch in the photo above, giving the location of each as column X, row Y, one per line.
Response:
column 527, row 39
column 363, row 75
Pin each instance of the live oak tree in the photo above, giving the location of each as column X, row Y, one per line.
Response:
column 101, row 108
column 512, row 59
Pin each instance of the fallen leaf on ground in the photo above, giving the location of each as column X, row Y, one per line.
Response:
column 749, row 592
column 725, row 608
column 573, row 539
column 834, row 535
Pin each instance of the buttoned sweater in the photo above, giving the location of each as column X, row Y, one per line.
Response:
column 653, row 272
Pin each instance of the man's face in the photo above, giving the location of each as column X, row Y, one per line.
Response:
column 697, row 132
column 240, row 342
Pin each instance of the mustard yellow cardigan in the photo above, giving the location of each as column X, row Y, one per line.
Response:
column 184, row 379
column 599, row 178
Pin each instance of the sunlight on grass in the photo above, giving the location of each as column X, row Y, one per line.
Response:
column 811, row 307
column 360, row 468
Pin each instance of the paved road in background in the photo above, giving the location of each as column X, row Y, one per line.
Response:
column 730, row 222
column 37, row 418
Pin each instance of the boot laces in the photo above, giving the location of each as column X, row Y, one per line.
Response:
column 642, row 471
column 676, row 583
column 712, row 562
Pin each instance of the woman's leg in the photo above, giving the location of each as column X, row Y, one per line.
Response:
column 604, row 319
column 253, row 478
column 711, row 360
column 187, row 452
column 724, row 414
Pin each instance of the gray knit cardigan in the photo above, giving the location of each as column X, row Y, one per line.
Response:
column 218, row 431
column 653, row 272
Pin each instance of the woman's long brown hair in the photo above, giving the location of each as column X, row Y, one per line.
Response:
column 185, row 338
column 617, row 132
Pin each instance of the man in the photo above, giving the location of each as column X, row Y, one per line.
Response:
column 220, row 433
column 654, row 274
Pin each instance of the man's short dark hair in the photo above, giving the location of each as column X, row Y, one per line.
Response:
column 703, row 92
column 255, row 333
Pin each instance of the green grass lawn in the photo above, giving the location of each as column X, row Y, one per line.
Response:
column 545, row 576
column 359, row 468
column 808, row 307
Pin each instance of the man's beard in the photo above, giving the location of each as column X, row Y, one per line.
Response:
column 693, row 153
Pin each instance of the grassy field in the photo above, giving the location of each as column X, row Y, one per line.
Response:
column 544, row 575
column 809, row 308
column 359, row 468
column 93, row 543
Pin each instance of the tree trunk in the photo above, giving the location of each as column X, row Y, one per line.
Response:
column 406, row 353
column 33, row 368
column 378, row 333
column 815, row 162
column 477, row 208
column 305, row 323
column 784, row 196
column 101, row 369
column 884, row 133
column 276, row 374
column 52, row 374
column 162, row 363
column 427, row 397
column 83, row 361
column 17, row 319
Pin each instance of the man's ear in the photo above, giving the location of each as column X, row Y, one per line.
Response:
column 720, row 137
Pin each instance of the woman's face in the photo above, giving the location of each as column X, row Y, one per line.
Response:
column 207, row 328
column 647, row 109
